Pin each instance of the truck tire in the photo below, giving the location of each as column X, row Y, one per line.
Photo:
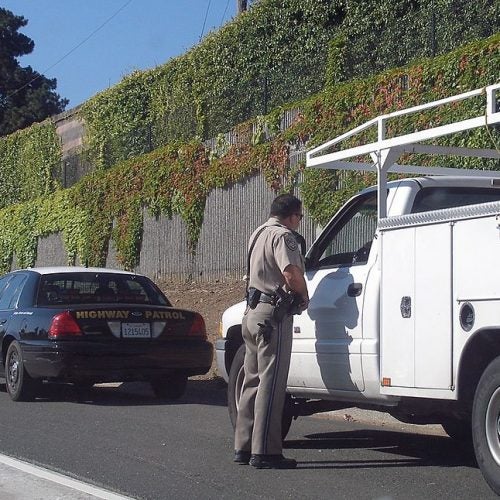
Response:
column 486, row 425
column 235, row 383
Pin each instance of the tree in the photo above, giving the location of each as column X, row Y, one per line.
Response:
column 26, row 96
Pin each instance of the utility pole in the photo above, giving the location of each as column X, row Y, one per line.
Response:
column 242, row 5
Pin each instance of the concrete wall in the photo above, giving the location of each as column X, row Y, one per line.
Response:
column 231, row 215
column 71, row 130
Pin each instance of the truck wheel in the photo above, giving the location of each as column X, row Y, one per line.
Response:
column 172, row 387
column 486, row 425
column 235, row 383
column 20, row 386
column 459, row 429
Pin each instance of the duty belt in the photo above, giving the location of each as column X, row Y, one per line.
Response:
column 267, row 299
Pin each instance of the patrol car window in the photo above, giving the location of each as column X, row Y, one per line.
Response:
column 438, row 198
column 11, row 292
column 348, row 240
column 92, row 288
column 3, row 282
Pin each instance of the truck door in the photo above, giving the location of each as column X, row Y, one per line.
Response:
column 327, row 337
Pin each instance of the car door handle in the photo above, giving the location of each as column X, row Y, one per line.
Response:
column 354, row 289
column 2, row 321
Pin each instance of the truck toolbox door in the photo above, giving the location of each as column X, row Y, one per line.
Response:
column 416, row 318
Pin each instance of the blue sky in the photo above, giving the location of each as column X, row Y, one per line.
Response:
column 142, row 35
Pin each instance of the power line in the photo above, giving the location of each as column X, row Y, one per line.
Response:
column 224, row 15
column 204, row 22
column 73, row 49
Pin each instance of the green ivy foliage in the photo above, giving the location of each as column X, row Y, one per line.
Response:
column 348, row 105
column 335, row 66
column 176, row 178
column 276, row 52
column 23, row 224
column 384, row 34
column 269, row 55
column 30, row 161
column 117, row 124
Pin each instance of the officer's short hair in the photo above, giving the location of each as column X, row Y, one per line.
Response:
column 285, row 205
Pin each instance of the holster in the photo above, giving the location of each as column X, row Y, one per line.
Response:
column 287, row 304
column 253, row 297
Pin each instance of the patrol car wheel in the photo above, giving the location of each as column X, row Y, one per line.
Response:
column 20, row 386
column 486, row 425
column 235, row 384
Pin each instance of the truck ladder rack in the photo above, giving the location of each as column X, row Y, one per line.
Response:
column 385, row 152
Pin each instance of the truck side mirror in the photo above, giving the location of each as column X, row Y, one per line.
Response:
column 307, row 261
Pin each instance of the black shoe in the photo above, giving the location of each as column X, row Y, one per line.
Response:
column 241, row 457
column 272, row 462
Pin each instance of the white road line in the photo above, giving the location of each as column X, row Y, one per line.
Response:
column 60, row 479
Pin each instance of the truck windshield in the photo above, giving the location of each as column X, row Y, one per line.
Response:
column 347, row 240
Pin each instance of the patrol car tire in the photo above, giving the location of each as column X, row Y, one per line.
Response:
column 172, row 387
column 20, row 386
column 235, row 383
column 486, row 425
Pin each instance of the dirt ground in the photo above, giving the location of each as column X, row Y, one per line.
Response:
column 209, row 299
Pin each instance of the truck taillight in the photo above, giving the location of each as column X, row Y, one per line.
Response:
column 64, row 325
column 198, row 327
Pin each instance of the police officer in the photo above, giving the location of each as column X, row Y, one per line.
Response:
column 275, row 260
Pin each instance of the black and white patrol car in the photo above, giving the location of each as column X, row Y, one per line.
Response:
column 91, row 325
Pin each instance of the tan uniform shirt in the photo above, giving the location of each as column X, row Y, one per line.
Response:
column 275, row 249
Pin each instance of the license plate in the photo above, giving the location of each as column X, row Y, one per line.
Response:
column 136, row 330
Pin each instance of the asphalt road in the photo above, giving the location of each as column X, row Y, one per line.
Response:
column 124, row 440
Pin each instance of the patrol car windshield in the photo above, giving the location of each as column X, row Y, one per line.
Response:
column 97, row 288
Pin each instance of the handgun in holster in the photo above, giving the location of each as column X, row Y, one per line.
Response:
column 253, row 297
column 287, row 304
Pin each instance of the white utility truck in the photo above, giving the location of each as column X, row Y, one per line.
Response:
column 404, row 286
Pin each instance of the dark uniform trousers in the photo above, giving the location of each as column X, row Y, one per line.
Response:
column 258, row 425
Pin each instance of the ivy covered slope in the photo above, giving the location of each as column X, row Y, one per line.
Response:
column 345, row 106
column 178, row 177
column 270, row 55
column 30, row 160
column 274, row 53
